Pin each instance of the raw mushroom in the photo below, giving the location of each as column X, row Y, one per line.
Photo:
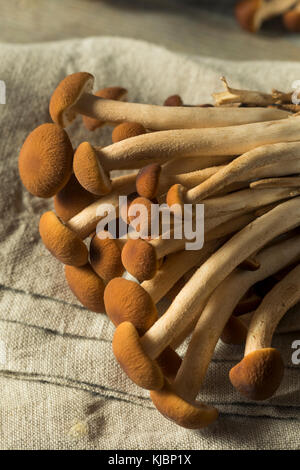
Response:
column 86, row 286
column 45, row 160
column 248, row 97
column 139, row 257
column 252, row 13
column 218, row 311
column 92, row 164
column 252, row 164
column 153, row 179
column 74, row 96
column 65, row 241
column 110, row 93
column 72, row 199
column 291, row 19
column 105, row 257
column 137, row 355
column 260, row 372
column 126, row 300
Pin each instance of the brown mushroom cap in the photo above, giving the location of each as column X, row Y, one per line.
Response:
column 110, row 93
column 147, row 180
column 245, row 11
column 86, row 286
column 126, row 130
column 139, row 367
column 173, row 100
column 89, row 171
column 105, row 258
column 175, row 195
column 259, row 374
column 144, row 228
column 72, row 199
column 45, row 160
column 139, row 259
column 62, row 242
column 169, row 362
column 235, row 331
column 67, row 94
column 291, row 20
column 127, row 301
column 188, row 415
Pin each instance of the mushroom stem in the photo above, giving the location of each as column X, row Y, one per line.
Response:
column 250, row 164
column 270, row 183
column 260, row 372
column 277, row 302
column 84, row 223
column 249, row 97
column 156, row 117
column 219, row 309
column 186, row 305
column 140, row 257
column 154, row 179
column 175, row 266
column 224, row 141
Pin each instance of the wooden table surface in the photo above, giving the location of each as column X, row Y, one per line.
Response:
column 195, row 27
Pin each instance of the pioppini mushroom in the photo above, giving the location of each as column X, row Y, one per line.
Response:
column 252, row 164
column 291, row 19
column 92, row 164
column 127, row 300
column 45, row 160
column 72, row 199
column 252, row 13
column 126, row 130
column 260, row 373
column 153, row 179
column 86, row 286
column 74, row 96
column 139, row 257
column 109, row 93
column 65, row 241
column 218, row 311
column 105, row 257
column 137, row 355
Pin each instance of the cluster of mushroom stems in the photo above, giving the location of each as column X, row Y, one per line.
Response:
column 240, row 158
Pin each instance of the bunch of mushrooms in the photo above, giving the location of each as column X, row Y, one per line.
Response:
column 240, row 158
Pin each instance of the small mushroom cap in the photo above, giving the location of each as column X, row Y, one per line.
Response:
column 235, row 331
column 175, row 195
column 105, row 258
column 147, row 180
column 128, row 301
column 126, row 130
column 62, row 242
column 173, row 100
column 67, row 94
column 139, row 367
column 111, row 93
column 86, row 286
column 169, row 362
column 245, row 11
column 291, row 20
column 45, row 160
column 72, row 199
column 89, row 171
column 259, row 374
column 139, row 259
column 188, row 415
column 143, row 213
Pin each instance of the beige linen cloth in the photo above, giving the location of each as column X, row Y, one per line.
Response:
column 60, row 387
